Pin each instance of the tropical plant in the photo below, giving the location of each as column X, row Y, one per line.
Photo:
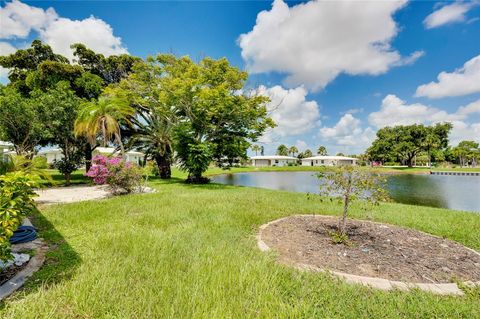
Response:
column 151, row 129
column 217, row 119
column 16, row 202
column 19, row 163
column 307, row 153
column 121, row 176
column 282, row 150
column 322, row 150
column 293, row 150
column 256, row 148
column 195, row 157
column 349, row 183
column 104, row 117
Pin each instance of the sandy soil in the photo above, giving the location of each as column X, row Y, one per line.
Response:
column 61, row 195
column 375, row 250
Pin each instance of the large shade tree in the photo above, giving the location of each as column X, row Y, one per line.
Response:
column 152, row 127
column 19, row 122
column 405, row 142
column 217, row 117
column 58, row 108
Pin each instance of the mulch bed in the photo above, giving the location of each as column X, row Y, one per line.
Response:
column 375, row 250
column 10, row 272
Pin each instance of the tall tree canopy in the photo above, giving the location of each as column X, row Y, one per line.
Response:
column 19, row 122
column 38, row 68
column 151, row 130
column 217, row 119
column 404, row 142
column 322, row 150
column 111, row 69
column 282, row 150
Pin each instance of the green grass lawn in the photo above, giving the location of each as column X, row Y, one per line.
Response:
column 189, row 251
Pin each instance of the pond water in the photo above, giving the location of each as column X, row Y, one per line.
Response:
column 454, row 192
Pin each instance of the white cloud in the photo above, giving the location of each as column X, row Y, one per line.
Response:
column 314, row 42
column 19, row 19
column 95, row 33
column 463, row 81
column 462, row 131
column 5, row 49
column 347, row 135
column 301, row 145
column 395, row 111
column 290, row 110
column 447, row 14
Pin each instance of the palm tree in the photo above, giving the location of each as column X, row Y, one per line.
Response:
column 152, row 133
column 256, row 149
column 103, row 117
column 322, row 150
column 292, row 150
column 430, row 143
column 282, row 150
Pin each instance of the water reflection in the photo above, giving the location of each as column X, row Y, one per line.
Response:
column 454, row 192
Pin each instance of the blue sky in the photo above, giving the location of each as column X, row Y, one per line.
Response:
column 336, row 72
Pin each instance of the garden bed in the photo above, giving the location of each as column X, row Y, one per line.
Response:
column 374, row 250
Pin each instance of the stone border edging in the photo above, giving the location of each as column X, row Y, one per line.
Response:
column 33, row 265
column 375, row 282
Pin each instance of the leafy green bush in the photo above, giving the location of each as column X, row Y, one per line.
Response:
column 193, row 156
column 40, row 162
column 16, row 202
column 124, row 177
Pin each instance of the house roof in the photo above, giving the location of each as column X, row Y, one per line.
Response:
column 102, row 150
column 319, row 157
column 50, row 151
column 111, row 150
column 5, row 144
column 273, row 157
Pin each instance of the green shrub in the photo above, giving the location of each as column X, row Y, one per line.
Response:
column 40, row 162
column 16, row 202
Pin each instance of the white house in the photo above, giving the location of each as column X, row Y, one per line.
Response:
column 5, row 148
column 329, row 161
column 272, row 160
column 56, row 154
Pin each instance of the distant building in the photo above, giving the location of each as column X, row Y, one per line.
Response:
column 329, row 161
column 5, row 148
column 272, row 160
column 55, row 154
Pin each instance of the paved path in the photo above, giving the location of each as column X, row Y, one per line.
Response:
column 71, row 194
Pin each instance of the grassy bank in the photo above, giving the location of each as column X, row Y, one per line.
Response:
column 190, row 252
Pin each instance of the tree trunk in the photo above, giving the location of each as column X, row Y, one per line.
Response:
column 88, row 156
column 164, row 166
column 119, row 140
column 68, row 178
column 343, row 222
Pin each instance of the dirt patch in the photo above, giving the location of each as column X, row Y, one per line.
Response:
column 375, row 250
column 10, row 272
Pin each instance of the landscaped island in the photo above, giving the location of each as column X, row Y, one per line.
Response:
column 190, row 251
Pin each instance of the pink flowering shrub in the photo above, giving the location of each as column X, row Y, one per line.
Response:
column 119, row 175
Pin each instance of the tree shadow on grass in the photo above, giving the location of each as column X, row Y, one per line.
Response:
column 60, row 264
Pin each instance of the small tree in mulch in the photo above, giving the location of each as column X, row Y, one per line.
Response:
column 349, row 183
